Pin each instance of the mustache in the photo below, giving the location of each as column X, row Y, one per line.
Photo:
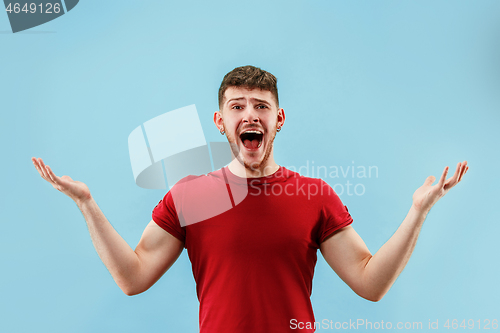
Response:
column 251, row 126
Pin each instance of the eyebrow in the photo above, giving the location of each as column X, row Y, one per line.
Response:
column 234, row 99
column 252, row 99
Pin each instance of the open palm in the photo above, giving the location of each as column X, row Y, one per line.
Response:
column 76, row 190
column 427, row 195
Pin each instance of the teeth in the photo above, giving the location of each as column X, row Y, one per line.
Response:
column 254, row 132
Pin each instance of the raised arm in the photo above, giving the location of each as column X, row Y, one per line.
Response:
column 133, row 271
column 369, row 276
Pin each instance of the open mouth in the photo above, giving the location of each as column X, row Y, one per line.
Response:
column 252, row 139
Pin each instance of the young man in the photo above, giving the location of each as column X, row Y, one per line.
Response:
column 252, row 229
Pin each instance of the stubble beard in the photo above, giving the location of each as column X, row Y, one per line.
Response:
column 254, row 166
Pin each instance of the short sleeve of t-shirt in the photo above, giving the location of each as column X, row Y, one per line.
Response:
column 165, row 215
column 334, row 213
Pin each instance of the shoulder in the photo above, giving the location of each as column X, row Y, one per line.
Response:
column 208, row 178
column 192, row 183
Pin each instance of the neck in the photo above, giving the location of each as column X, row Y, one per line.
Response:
column 238, row 169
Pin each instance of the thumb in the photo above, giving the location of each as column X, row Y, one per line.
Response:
column 429, row 180
column 68, row 178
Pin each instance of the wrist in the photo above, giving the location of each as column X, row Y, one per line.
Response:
column 419, row 210
column 80, row 202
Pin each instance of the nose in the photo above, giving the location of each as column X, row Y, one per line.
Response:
column 251, row 116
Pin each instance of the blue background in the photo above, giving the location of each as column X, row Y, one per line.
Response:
column 407, row 86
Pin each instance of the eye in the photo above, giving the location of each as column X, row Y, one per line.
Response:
column 237, row 107
column 262, row 106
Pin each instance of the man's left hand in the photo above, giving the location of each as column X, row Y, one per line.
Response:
column 427, row 195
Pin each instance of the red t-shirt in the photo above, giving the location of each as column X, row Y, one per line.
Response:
column 252, row 245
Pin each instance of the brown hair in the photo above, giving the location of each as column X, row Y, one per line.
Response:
column 249, row 77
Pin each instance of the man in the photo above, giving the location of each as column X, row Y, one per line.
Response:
column 253, row 228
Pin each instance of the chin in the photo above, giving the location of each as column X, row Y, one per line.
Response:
column 253, row 165
column 252, row 159
column 258, row 161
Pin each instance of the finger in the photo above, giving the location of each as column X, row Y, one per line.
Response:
column 453, row 180
column 429, row 180
column 35, row 163
column 38, row 168
column 51, row 174
column 443, row 177
column 458, row 173
column 463, row 171
column 41, row 167
column 44, row 170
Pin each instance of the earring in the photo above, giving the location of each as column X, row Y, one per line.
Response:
column 279, row 129
column 222, row 131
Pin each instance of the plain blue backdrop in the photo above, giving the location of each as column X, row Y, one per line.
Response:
column 406, row 86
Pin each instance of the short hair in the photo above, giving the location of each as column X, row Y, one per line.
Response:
column 249, row 77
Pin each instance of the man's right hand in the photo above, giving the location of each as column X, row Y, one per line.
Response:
column 76, row 190
column 133, row 270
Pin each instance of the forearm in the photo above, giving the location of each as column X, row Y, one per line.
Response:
column 119, row 258
column 383, row 268
column 371, row 276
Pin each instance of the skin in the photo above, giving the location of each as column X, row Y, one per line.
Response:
column 134, row 271
column 370, row 276
column 244, row 109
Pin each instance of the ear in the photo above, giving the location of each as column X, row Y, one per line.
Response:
column 218, row 121
column 281, row 117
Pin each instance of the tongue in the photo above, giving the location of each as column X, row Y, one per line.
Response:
column 251, row 144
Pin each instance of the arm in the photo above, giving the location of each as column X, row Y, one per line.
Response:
column 133, row 271
column 372, row 276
